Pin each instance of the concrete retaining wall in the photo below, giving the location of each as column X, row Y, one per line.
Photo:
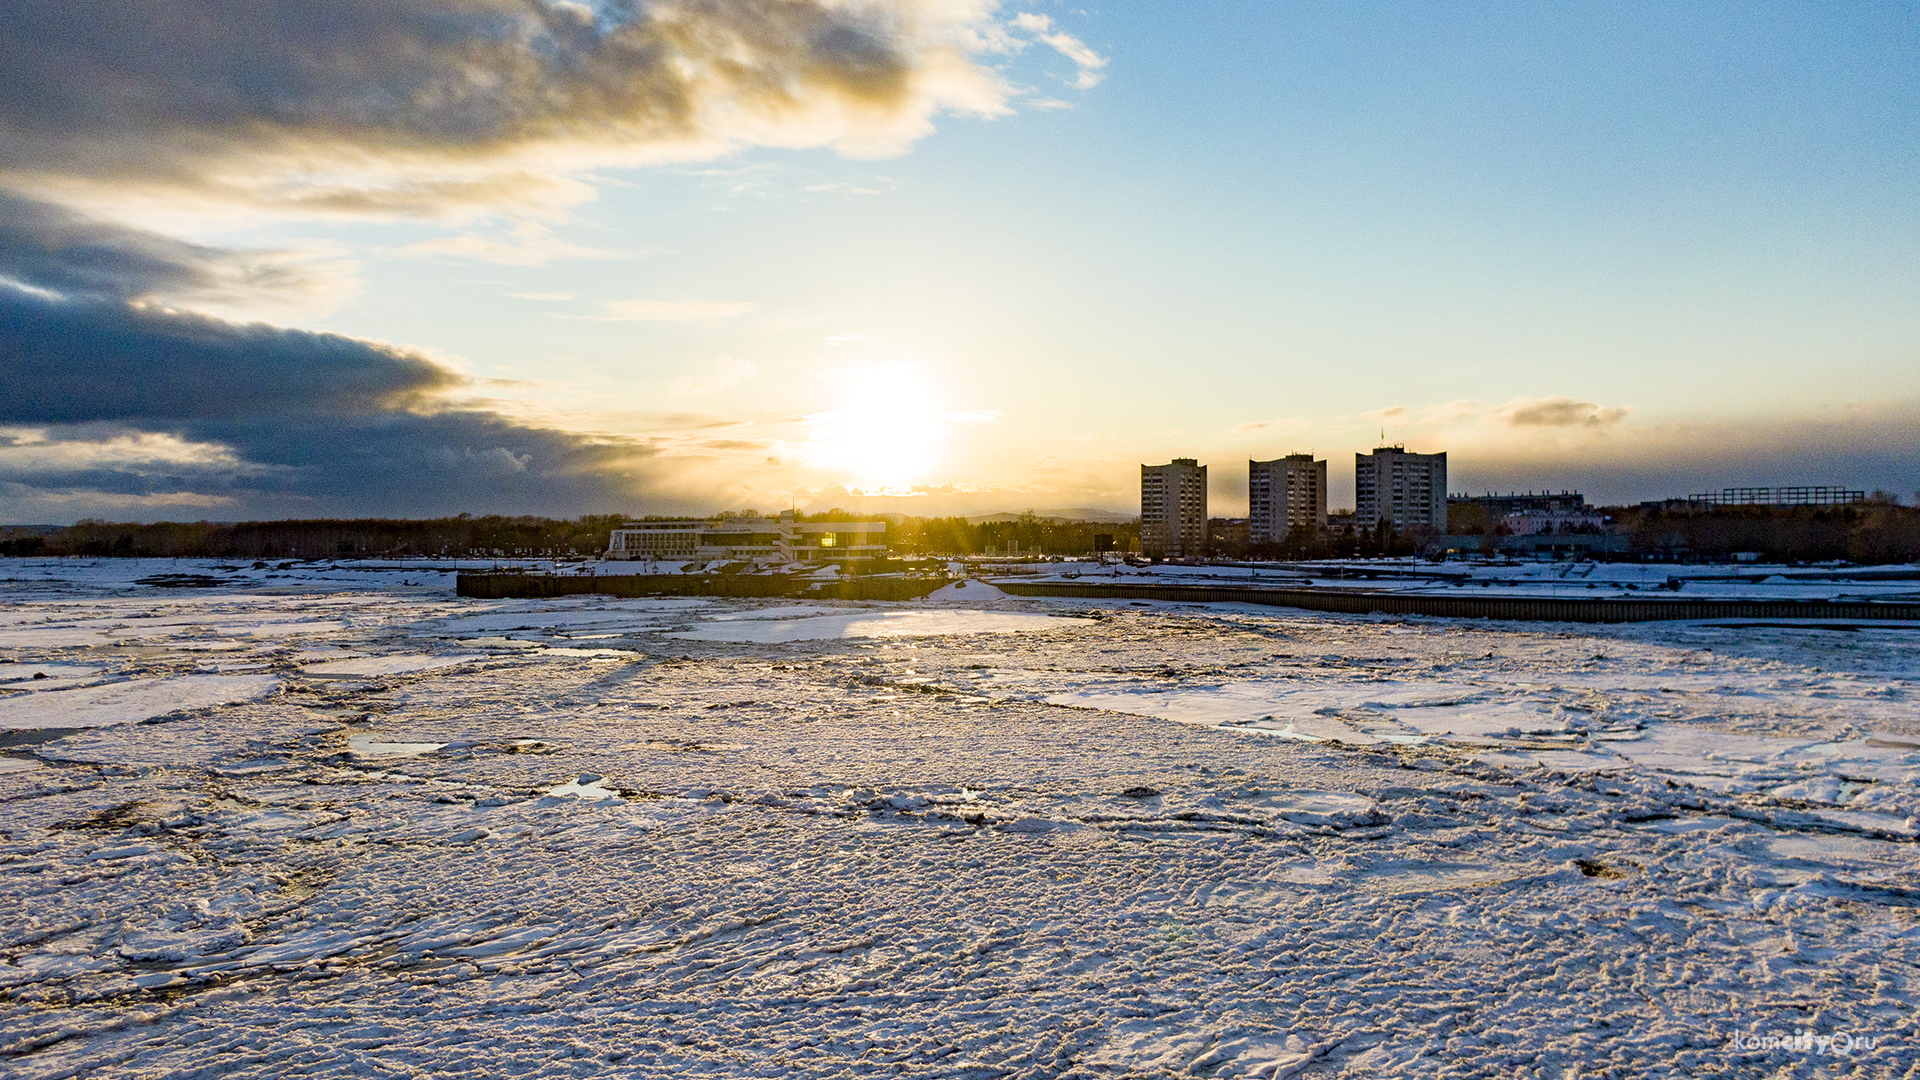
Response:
column 503, row 586
column 1555, row 609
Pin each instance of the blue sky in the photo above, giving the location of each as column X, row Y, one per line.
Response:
column 1633, row 249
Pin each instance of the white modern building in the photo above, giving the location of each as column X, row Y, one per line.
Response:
column 1403, row 489
column 1173, row 509
column 769, row 541
column 1284, row 494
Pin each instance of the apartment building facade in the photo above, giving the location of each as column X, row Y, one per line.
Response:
column 1173, row 509
column 1285, row 494
column 1404, row 489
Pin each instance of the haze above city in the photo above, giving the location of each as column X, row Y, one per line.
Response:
column 941, row 256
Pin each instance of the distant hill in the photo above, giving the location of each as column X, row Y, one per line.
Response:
column 1073, row 513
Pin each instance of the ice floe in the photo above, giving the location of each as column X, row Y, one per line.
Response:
column 384, row 830
column 130, row 701
column 875, row 624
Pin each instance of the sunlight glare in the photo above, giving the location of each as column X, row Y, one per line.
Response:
column 884, row 434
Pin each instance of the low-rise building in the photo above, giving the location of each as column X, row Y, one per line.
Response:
column 769, row 540
column 1496, row 505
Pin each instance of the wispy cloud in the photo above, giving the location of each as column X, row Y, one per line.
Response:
column 1087, row 63
column 527, row 243
column 1278, row 423
column 1392, row 414
column 977, row 416
column 665, row 311
column 551, row 296
column 723, row 375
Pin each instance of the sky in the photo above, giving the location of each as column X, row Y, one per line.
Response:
column 420, row 257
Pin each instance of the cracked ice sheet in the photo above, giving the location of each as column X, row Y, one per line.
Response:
column 392, row 664
column 131, row 701
column 853, row 855
column 874, row 624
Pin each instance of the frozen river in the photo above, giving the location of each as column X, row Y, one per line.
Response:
column 324, row 821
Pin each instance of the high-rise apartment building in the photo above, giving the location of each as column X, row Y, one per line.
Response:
column 1173, row 508
column 1408, row 491
column 1284, row 494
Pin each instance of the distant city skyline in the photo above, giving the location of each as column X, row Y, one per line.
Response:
column 970, row 257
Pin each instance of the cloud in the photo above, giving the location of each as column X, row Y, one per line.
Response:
column 41, row 450
column 124, row 353
column 1086, row 62
column 1392, row 414
column 1560, row 412
column 51, row 251
column 666, row 311
column 528, row 243
column 976, row 416
column 426, row 106
column 115, row 403
column 881, row 185
column 26, row 502
column 1278, row 423
column 77, row 361
column 552, row 296
column 725, row 375
column 1863, row 446
column 1452, row 411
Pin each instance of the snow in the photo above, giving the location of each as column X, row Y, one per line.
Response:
column 393, row 664
column 130, row 701
column 969, row 592
column 878, row 624
column 975, row 835
column 371, row 747
column 1512, row 578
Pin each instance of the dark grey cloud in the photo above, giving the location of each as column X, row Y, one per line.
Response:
column 392, row 464
column 54, row 248
column 109, row 397
column 78, row 360
column 307, row 92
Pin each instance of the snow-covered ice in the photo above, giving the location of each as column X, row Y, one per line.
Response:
column 125, row 702
column 321, row 821
column 866, row 624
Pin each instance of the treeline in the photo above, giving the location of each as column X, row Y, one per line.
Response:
column 1307, row 542
column 456, row 537
column 1869, row 532
column 1027, row 534
column 494, row 535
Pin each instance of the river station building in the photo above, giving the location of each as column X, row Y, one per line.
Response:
column 770, row 541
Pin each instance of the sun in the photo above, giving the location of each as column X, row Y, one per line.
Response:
column 884, row 433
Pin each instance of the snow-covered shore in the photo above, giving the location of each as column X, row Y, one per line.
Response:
column 341, row 823
column 1575, row 580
